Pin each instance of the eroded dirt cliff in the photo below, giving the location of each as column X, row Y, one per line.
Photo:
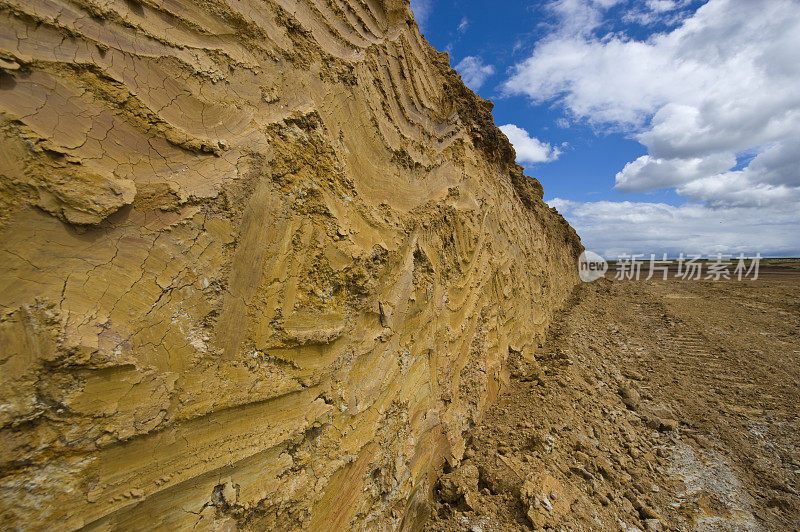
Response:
column 263, row 263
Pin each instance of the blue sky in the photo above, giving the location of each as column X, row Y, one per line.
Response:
column 653, row 125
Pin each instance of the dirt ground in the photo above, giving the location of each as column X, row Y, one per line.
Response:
column 654, row 405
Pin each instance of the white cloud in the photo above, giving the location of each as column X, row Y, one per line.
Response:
column 734, row 189
column 725, row 80
column 613, row 228
column 529, row 149
column 581, row 16
column 771, row 178
column 474, row 72
column 721, row 84
column 653, row 11
column 660, row 6
column 777, row 164
column 422, row 10
column 463, row 25
column 650, row 173
column 562, row 122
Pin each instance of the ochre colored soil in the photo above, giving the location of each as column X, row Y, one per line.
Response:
column 653, row 405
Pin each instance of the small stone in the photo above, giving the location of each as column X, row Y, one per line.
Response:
column 585, row 443
column 605, row 468
column 702, row 441
column 653, row 525
column 668, row 425
column 646, row 512
column 632, row 374
column 630, row 397
column 460, row 485
column 546, row 498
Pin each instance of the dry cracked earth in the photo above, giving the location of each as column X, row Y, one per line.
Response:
column 660, row 405
column 261, row 264
column 265, row 264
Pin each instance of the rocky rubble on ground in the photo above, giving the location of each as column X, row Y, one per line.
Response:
column 591, row 437
column 571, row 445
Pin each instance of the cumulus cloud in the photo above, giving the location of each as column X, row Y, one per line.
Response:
column 734, row 189
column 474, row 72
column 722, row 82
column 771, row 178
column 714, row 98
column 650, row 173
column 529, row 149
column 612, row 228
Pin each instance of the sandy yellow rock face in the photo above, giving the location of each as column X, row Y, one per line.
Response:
column 261, row 264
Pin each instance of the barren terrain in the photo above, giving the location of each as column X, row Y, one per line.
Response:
column 267, row 265
column 653, row 405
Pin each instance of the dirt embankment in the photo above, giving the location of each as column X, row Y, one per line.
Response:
column 654, row 405
column 262, row 263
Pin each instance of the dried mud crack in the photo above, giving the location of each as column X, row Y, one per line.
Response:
column 651, row 406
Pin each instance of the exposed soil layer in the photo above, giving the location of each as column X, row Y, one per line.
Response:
column 261, row 264
column 653, row 405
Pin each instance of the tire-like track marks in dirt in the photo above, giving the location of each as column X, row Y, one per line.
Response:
column 653, row 405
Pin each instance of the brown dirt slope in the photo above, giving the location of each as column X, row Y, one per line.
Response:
column 262, row 264
column 654, row 405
